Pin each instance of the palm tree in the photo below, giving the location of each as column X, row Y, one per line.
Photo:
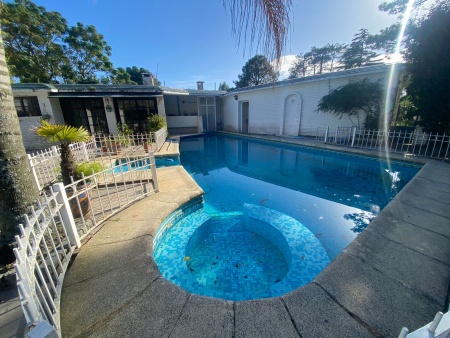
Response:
column 268, row 21
column 17, row 187
column 64, row 135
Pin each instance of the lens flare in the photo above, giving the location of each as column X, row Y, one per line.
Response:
column 393, row 75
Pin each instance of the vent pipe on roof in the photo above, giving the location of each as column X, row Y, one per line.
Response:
column 200, row 85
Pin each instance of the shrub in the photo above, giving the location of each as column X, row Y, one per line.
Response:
column 156, row 122
column 87, row 167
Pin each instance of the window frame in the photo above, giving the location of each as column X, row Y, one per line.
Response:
column 32, row 105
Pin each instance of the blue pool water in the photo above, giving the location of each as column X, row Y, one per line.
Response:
column 145, row 164
column 332, row 197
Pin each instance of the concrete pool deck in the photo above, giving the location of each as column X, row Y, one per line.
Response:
column 396, row 273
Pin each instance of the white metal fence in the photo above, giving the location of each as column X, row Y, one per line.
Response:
column 410, row 143
column 65, row 215
column 438, row 328
column 160, row 137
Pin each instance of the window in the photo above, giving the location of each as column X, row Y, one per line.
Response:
column 86, row 112
column 134, row 112
column 27, row 106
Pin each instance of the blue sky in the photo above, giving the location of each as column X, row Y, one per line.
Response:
column 185, row 41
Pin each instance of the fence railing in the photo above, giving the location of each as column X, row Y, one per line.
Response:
column 438, row 328
column 42, row 255
column 160, row 137
column 65, row 215
column 410, row 143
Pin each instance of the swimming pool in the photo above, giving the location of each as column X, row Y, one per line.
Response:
column 138, row 164
column 333, row 195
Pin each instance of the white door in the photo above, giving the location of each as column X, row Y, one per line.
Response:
column 244, row 117
column 292, row 113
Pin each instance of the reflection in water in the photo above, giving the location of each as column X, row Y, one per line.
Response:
column 361, row 220
column 332, row 194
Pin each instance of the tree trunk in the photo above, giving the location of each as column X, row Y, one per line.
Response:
column 17, row 186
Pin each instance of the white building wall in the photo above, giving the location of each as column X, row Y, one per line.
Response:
column 28, row 124
column 111, row 119
column 266, row 105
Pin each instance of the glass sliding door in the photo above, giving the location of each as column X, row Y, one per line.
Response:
column 134, row 112
column 85, row 112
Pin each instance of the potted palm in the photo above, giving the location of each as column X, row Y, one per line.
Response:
column 65, row 135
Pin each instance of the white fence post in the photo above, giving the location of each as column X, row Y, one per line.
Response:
column 33, row 170
column 85, row 153
column 326, row 134
column 336, row 136
column 66, row 214
column 353, row 136
column 153, row 168
column 55, row 151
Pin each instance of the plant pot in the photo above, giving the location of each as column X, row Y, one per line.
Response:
column 147, row 147
column 83, row 198
column 112, row 147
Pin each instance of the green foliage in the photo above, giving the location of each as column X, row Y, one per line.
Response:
column 398, row 7
column 317, row 61
column 64, row 135
column 40, row 47
column 360, row 52
column 429, row 65
column 136, row 75
column 156, row 122
column 32, row 38
column 120, row 76
column 224, row 86
column 123, row 128
column 351, row 99
column 88, row 168
column 88, row 53
column 407, row 113
column 256, row 71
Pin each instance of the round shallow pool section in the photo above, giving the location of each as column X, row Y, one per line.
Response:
column 253, row 254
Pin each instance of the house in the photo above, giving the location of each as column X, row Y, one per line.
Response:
column 286, row 107
column 289, row 107
column 100, row 108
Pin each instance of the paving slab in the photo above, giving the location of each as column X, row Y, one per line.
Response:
column 424, row 274
column 422, row 203
column 436, row 171
column 427, row 188
column 263, row 318
column 97, row 260
column 122, row 230
column 381, row 302
column 12, row 319
column 153, row 313
column 414, row 237
column 205, row 317
column 317, row 315
column 143, row 211
column 93, row 300
column 419, row 217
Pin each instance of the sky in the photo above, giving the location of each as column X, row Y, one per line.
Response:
column 184, row 41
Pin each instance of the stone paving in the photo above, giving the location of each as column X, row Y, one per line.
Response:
column 396, row 273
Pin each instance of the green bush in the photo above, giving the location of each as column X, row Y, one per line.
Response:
column 156, row 122
column 87, row 167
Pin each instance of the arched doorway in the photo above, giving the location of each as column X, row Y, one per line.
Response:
column 292, row 114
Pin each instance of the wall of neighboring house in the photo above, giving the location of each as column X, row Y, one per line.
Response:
column 292, row 108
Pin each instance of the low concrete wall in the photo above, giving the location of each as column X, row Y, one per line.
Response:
column 185, row 122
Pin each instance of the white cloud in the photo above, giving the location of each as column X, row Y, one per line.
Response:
column 285, row 63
